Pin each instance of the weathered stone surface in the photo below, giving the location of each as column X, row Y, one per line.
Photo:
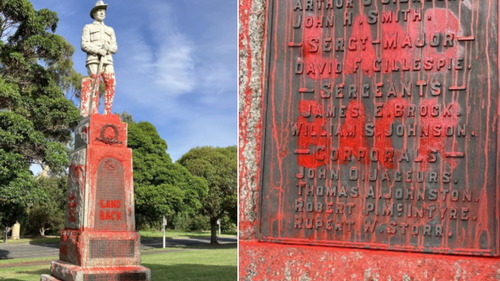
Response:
column 89, row 248
column 68, row 272
column 82, row 133
column 46, row 277
column 75, row 207
column 251, row 38
column 274, row 262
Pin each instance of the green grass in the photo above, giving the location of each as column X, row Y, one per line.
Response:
column 38, row 240
column 28, row 273
column 9, row 261
column 207, row 264
column 144, row 234
column 178, row 234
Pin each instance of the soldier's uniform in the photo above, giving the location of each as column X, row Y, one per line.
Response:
column 94, row 37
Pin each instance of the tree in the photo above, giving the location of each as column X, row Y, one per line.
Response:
column 64, row 75
column 48, row 215
column 161, row 187
column 35, row 116
column 218, row 166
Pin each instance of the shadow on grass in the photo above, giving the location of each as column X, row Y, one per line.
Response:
column 212, row 247
column 4, row 254
column 45, row 244
column 192, row 272
column 182, row 242
column 36, row 271
column 222, row 238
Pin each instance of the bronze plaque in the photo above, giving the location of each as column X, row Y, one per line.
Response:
column 110, row 196
column 381, row 125
column 111, row 249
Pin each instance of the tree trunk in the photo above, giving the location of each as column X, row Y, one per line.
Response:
column 213, row 231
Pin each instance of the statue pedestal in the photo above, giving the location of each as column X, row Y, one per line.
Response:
column 99, row 241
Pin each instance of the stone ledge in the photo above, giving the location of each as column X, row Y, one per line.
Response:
column 69, row 272
column 269, row 261
column 46, row 277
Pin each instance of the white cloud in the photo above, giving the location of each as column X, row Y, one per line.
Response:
column 202, row 130
column 166, row 61
column 175, row 64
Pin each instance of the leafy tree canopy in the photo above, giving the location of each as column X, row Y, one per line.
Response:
column 218, row 166
column 48, row 214
column 161, row 187
column 35, row 116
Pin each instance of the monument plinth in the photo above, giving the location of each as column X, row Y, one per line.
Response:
column 99, row 241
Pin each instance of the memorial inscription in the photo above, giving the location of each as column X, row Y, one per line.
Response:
column 381, row 125
column 110, row 210
column 111, row 249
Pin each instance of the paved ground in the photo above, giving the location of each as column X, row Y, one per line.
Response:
column 17, row 251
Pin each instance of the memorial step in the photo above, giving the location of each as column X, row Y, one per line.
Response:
column 69, row 272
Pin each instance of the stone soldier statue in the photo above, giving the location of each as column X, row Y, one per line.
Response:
column 99, row 42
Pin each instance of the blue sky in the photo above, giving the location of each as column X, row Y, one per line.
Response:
column 175, row 66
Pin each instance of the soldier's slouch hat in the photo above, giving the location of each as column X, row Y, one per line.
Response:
column 99, row 5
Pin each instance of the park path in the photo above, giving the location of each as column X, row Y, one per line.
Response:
column 44, row 262
column 18, row 251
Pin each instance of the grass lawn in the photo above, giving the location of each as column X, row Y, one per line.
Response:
column 38, row 240
column 205, row 263
column 174, row 234
column 144, row 234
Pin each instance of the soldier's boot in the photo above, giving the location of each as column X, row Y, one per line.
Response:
column 109, row 81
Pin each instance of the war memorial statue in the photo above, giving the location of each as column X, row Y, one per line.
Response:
column 99, row 42
column 99, row 240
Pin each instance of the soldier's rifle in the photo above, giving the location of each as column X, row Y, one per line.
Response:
column 94, row 86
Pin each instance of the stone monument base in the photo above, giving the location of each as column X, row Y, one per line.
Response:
column 63, row 271
column 99, row 242
column 91, row 248
column 270, row 261
column 46, row 277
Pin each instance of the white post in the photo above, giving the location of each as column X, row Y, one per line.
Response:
column 218, row 222
column 164, row 224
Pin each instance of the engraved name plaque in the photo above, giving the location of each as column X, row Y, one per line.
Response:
column 110, row 194
column 381, row 125
column 111, row 249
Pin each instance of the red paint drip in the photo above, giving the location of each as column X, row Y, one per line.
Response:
column 360, row 46
column 311, row 135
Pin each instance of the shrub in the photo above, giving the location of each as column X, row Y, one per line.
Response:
column 200, row 223
column 182, row 222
